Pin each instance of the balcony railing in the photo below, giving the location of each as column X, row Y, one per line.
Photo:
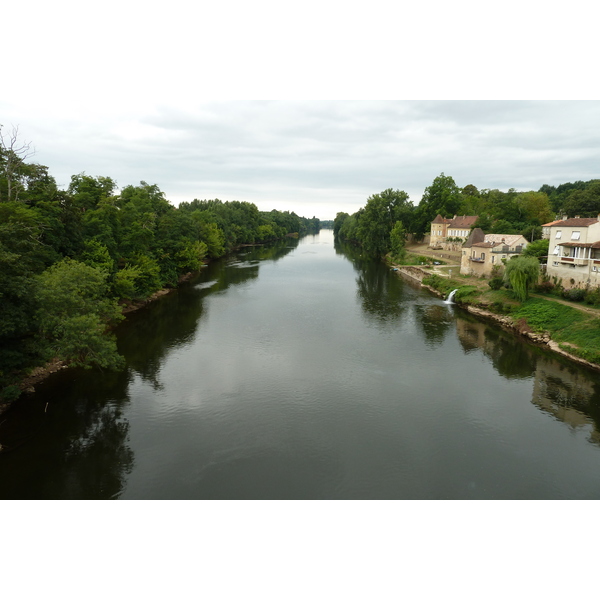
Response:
column 506, row 250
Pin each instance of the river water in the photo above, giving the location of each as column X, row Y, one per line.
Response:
column 305, row 371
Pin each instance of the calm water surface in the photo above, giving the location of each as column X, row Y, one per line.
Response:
column 300, row 371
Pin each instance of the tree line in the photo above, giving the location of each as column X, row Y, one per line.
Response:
column 70, row 259
column 381, row 226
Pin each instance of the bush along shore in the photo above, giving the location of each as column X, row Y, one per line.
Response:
column 564, row 327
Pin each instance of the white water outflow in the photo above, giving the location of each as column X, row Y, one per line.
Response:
column 450, row 297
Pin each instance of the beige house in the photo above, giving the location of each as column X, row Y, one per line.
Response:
column 482, row 252
column 574, row 251
column 457, row 227
column 546, row 229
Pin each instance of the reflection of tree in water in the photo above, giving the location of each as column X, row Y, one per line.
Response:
column 151, row 333
column 435, row 321
column 69, row 441
column 382, row 295
column 511, row 357
column 568, row 392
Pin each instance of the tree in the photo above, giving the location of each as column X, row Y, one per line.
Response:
column 88, row 191
column 536, row 207
column 75, row 312
column 522, row 272
column 398, row 240
column 340, row 218
column 13, row 154
column 538, row 249
column 442, row 197
column 584, row 203
column 380, row 214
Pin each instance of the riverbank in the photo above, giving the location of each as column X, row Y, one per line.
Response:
column 474, row 301
column 38, row 374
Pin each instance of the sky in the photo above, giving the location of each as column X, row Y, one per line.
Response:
column 308, row 107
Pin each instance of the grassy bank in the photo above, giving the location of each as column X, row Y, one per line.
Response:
column 576, row 329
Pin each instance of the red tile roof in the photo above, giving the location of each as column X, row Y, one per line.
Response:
column 577, row 222
column 464, row 221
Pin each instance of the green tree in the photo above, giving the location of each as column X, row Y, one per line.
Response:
column 538, row 249
column 536, row 207
column 442, row 197
column 88, row 191
column 398, row 241
column 378, row 217
column 522, row 272
column 75, row 313
column 584, row 203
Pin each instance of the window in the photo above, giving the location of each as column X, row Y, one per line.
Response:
column 555, row 250
column 576, row 235
column 594, row 268
column 555, row 263
column 483, row 256
column 558, row 234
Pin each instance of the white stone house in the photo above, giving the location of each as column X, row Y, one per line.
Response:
column 443, row 229
column 481, row 252
column 574, row 251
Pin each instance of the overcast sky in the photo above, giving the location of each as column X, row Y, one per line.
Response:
column 176, row 96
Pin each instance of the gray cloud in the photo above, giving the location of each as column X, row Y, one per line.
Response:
column 321, row 157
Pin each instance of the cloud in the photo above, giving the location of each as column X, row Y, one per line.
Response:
column 325, row 156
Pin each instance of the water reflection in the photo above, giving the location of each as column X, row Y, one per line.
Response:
column 148, row 336
column 561, row 389
column 511, row 357
column 70, row 441
column 383, row 298
column 435, row 321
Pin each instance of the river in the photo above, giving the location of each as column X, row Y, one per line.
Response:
column 302, row 370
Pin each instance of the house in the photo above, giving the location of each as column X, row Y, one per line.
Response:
column 546, row 228
column 481, row 252
column 574, row 251
column 457, row 227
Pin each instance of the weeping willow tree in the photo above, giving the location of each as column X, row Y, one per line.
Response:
column 522, row 272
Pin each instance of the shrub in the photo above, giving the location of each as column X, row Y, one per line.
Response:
column 592, row 296
column 574, row 294
column 495, row 283
column 545, row 287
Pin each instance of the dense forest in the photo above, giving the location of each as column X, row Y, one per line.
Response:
column 383, row 224
column 71, row 259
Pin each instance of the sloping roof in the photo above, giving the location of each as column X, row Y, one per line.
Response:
column 594, row 245
column 475, row 237
column 483, row 245
column 464, row 221
column 502, row 238
column 576, row 222
column 551, row 223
